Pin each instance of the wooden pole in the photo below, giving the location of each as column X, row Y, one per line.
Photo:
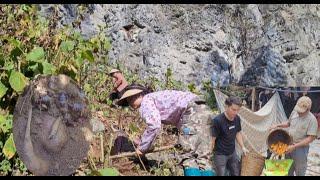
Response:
column 135, row 149
column 129, row 154
column 253, row 98
column 101, row 148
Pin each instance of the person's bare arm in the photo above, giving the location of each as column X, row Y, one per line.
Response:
column 213, row 142
column 305, row 142
column 239, row 139
column 282, row 125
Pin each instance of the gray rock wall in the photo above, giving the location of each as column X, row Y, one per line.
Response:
column 266, row 45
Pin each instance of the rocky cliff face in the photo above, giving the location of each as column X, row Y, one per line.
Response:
column 267, row 45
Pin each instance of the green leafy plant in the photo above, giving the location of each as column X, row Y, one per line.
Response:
column 8, row 150
column 171, row 83
column 192, row 88
column 209, row 95
column 105, row 172
column 43, row 49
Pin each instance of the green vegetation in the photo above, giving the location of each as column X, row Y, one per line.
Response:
column 43, row 49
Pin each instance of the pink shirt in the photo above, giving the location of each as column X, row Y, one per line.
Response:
column 162, row 107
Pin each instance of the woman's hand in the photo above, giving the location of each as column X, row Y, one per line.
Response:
column 136, row 141
column 139, row 153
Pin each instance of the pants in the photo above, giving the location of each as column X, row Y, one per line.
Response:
column 300, row 157
column 221, row 162
column 195, row 136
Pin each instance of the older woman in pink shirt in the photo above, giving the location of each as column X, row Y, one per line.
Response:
column 184, row 110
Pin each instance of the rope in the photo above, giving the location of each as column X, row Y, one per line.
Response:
column 228, row 93
column 281, row 90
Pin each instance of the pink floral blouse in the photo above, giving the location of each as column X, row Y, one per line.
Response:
column 162, row 107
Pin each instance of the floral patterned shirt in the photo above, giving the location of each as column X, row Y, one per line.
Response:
column 162, row 107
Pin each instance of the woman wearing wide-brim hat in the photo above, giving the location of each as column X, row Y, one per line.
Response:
column 185, row 110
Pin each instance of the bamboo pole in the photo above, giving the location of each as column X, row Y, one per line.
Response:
column 135, row 149
column 253, row 98
column 101, row 148
column 129, row 154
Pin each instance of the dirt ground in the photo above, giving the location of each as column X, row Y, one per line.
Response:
column 119, row 124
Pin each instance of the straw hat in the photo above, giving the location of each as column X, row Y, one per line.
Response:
column 128, row 93
column 113, row 71
column 303, row 104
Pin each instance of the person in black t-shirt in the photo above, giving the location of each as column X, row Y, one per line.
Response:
column 226, row 129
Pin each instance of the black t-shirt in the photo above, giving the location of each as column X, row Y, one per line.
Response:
column 225, row 132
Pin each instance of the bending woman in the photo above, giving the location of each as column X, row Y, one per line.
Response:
column 184, row 110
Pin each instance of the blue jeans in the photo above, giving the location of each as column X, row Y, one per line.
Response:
column 300, row 157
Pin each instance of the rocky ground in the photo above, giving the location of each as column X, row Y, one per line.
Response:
column 314, row 159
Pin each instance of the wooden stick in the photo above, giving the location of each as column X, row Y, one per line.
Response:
column 91, row 163
column 129, row 154
column 108, row 161
column 102, row 148
column 253, row 100
column 135, row 149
